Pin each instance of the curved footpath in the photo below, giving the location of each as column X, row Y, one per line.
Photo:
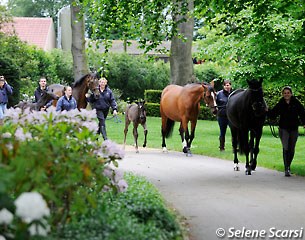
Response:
column 219, row 203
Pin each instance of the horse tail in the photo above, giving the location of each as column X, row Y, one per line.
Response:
column 241, row 142
column 169, row 128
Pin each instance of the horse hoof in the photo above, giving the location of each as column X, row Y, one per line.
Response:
column 165, row 150
column 137, row 151
column 248, row 172
column 189, row 154
column 144, row 145
column 185, row 150
column 236, row 167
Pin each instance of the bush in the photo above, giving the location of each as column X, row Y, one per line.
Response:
column 152, row 96
column 153, row 109
column 70, row 182
column 133, row 75
column 138, row 213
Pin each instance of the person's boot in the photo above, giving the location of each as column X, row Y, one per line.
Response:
column 104, row 133
column 221, row 143
column 286, row 160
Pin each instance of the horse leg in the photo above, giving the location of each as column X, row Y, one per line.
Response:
column 192, row 136
column 184, row 144
column 135, row 136
column 127, row 122
column 234, row 146
column 186, row 150
column 247, row 151
column 258, row 135
column 145, row 134
column 163, row 131
column 248, row 168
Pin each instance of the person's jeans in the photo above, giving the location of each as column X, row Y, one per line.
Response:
column 288, row 138
column 223, row 123
column 2, row 110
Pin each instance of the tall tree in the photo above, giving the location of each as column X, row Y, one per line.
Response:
column 150, row 22
column 78, row 49
column 181, row 50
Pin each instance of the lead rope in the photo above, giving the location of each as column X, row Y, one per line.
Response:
column 272, row 129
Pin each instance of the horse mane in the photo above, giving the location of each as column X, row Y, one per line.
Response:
column 79, row 82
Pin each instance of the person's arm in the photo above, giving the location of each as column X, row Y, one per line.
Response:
column 301, row 112
column 113, row 104
column 8, row 88
column 274, row 112
column 59, row 104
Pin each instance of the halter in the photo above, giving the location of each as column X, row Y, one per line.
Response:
column 212, row 94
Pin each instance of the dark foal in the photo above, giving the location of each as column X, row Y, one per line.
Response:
column 136, row 113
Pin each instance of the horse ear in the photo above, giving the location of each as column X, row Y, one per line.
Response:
column 212, row 83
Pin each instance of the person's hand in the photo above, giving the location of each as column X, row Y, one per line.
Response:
column 87, row 95
column 115, row 112
column 43, row 108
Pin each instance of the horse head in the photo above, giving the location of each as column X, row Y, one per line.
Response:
column 209, row 96
column 258, row 103
column 93, row 84
column 141, row 111
column 47, row 96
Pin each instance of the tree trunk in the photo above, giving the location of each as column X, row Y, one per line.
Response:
column 181, row 63
column 80, row 65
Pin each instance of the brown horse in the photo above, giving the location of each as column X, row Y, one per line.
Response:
column 136, row 113
column 182, row 104
column 80, row 88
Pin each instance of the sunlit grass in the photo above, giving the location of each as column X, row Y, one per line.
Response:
column 206, row 143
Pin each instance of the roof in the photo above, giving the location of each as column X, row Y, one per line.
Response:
column 35, row 31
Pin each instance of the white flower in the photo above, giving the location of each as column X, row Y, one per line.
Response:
column 118, row 175
column 31, row 206
column 21, row 136
column 2, row 238
column 36, row 229
column 7, row 135
column 122, row 185
column 6, row 217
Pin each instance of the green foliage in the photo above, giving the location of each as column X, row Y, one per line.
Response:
column 146, row 21
column 152, row 109
column 23, row 65
column 132, row 75
column 152, row 96
column 253, row 43
column 70, row 182
column 138, row 213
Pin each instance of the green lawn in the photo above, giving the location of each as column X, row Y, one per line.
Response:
column 206, row 143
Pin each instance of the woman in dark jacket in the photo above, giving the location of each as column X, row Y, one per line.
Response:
column 291, row 111
column 5, row 90
column 102, row 105
column 223, row 122
column 67, row 101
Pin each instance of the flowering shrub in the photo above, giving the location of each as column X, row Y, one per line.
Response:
column 29, row 218
column 57, row 155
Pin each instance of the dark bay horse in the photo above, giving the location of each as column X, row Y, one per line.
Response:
column 80, row 87
column 136, row 113
column 46, row 97
column 182, row 104
column 246, row 111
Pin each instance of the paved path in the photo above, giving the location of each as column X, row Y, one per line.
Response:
column 212, row 196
